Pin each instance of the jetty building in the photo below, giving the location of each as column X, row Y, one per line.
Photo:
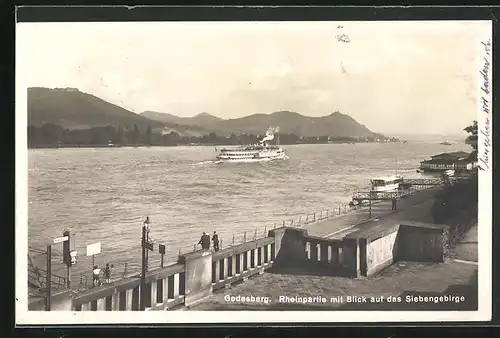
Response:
column 458, row 161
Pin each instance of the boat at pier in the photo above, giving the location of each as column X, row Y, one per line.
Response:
column 389, row 183
column 261, row 151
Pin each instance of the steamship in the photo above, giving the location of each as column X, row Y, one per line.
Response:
column 261, row 151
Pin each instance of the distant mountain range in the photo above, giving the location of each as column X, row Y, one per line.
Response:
column 335, row 124
column 73, row 109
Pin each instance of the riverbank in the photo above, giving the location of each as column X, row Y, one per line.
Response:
column 55, row 146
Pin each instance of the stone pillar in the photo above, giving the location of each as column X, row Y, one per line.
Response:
column 153, row 293
column 242, row 259
column 314, row 251
column 86, row 306
column 165, row 290
column 256, row 257
column 324, row 252
column 225, row 268
column 198, row 276
column 101, row 304
column 268, row 249
column 136, row 299
column 335, row 255
column 351, row 256
column 176, row 285
column 233, row 265
column 128, row 299
column 115, row 301
column 217, row 271
column 62, row 301
column 249, row 259
column 278, row 237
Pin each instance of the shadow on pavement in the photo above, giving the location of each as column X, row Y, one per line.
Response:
column 309, row 269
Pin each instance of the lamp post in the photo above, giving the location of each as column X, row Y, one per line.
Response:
column 145, row 246
column 370, row 204
column 143, row 269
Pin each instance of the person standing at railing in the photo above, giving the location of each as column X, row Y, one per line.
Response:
column 96, row 273
column 215, row 240
column 205, row 241
column 107, row 273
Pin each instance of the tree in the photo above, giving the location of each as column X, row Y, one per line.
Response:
column 120, row 135
column 147, row 135
column 472, row 139
column 135, row 134
column 212, row 137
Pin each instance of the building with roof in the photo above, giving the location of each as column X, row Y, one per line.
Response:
column 458, row 161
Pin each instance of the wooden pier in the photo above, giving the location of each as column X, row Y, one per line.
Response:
column 410, row 186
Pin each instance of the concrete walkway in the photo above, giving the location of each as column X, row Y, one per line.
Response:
column 400, row 278
column 457, row 276
column 412, row 208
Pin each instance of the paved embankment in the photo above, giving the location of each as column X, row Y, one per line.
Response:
column 400, row 278
column 414, row 207
column 455, row 277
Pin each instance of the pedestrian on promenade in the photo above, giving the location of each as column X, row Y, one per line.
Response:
column 107, row 273
column 215, row 239
column 205, row 241
column 96, row 275
column 394, row 203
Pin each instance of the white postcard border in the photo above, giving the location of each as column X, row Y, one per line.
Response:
column 25, row 317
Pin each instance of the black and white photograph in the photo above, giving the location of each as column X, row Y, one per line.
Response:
column 253, row 171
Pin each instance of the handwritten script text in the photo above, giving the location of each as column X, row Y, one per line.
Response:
column 485, row 129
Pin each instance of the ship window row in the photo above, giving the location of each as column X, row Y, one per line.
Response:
column 239, row 154
column 444, row 166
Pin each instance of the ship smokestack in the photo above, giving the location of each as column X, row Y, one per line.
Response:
column 270, row 134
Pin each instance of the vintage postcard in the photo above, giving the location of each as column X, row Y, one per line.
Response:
column 234, row 172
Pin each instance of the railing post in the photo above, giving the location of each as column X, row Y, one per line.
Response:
column 245, row 237
column 255, row 235
column 125, row 270
column 326, row 213
column 339, row 210
column 48, row 275
column 321, row 215
column 265, row 230
column 233, row 239
column 314, row 217
column 300, row 219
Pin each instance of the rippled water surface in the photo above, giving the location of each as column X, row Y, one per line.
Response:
column 104, row 194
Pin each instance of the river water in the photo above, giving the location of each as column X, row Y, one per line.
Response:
column 104, row 194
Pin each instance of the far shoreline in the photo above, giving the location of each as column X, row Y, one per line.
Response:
column 185, row 145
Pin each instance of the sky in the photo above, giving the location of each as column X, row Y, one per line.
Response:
column 393, row 77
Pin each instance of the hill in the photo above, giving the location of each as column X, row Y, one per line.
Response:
column 202, row 119
column 73, row 109
column 335, row 124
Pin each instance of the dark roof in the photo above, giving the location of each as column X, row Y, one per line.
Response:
column 455, row 154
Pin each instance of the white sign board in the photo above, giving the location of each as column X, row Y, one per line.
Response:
column 94, row 249
column 61, row 239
